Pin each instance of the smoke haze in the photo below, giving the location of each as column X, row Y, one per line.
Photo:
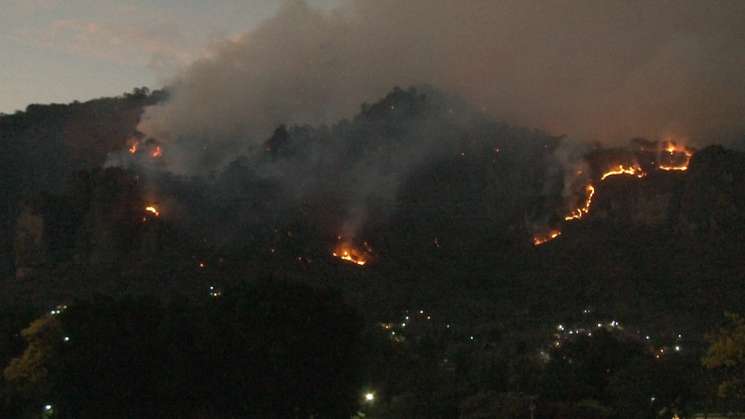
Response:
column 596, row 71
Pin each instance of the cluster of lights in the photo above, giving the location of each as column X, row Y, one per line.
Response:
column 58, row 310
column 564, row 333
column 214, row 292
column 395, row 329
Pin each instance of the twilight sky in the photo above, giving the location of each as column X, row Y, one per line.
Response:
column 65, row 50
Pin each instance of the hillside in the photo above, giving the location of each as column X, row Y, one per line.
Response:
column 440, row 200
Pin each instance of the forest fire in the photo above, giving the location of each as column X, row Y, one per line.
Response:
column 634, row 170
column 670, row 157
column 585, row 209
column 540, row 239
column 349, row 254
column 675, row 157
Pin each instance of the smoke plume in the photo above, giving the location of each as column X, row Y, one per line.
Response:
column 597, row 71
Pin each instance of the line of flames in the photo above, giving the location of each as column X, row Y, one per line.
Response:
column 669, row 147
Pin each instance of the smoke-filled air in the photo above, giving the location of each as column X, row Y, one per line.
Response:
column 595, row 71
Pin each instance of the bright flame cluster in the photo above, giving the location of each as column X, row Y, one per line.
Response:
column 350, row 255
column 152, row 209
column 678, row 156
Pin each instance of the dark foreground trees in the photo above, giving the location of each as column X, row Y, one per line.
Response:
column 272, row 349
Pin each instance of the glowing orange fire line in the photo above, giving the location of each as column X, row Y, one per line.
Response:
column 153, row 210
column 539, row 240
column 345, row 255
column 622, row 170
column 581, row 212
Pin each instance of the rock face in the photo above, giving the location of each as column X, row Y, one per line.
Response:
column 707, row 199
column 30, row 241
column 712, row 201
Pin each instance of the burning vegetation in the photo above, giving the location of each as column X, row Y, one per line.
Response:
column 585, row 209
column 674, row 157
column 351, row 254
column 634, row 170
column 666, row 156
column 543, row 238
column 150, row 148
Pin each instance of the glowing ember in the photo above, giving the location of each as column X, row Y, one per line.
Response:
column 585, row 209
column 157, row 152
column 133, row 148
column 623, row 170
column 540, row 239
column 153, row 210
column 676, row 157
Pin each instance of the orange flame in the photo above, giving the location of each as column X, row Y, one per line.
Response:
column 133, row 148
column 153, row 210
column 585, row 209
column 634, row 170
column 678, row 157
column 540, row 239
column 157, row 152
column 349, row 254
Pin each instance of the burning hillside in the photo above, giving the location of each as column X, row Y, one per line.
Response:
column 347, row 252
column 666, row 156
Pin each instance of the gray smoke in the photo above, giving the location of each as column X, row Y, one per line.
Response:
column 601, row 71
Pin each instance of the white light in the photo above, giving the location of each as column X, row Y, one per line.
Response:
column 677, row 348
column 471, row 337
column 48, row 407
column 560, row 327
column 600, row 324
column 67, row 339
column 369, row 397
column 403, row 324
column 448, row 325
column 421, row 311
column 647, row 337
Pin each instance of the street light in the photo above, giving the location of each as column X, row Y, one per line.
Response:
column 369, row 397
